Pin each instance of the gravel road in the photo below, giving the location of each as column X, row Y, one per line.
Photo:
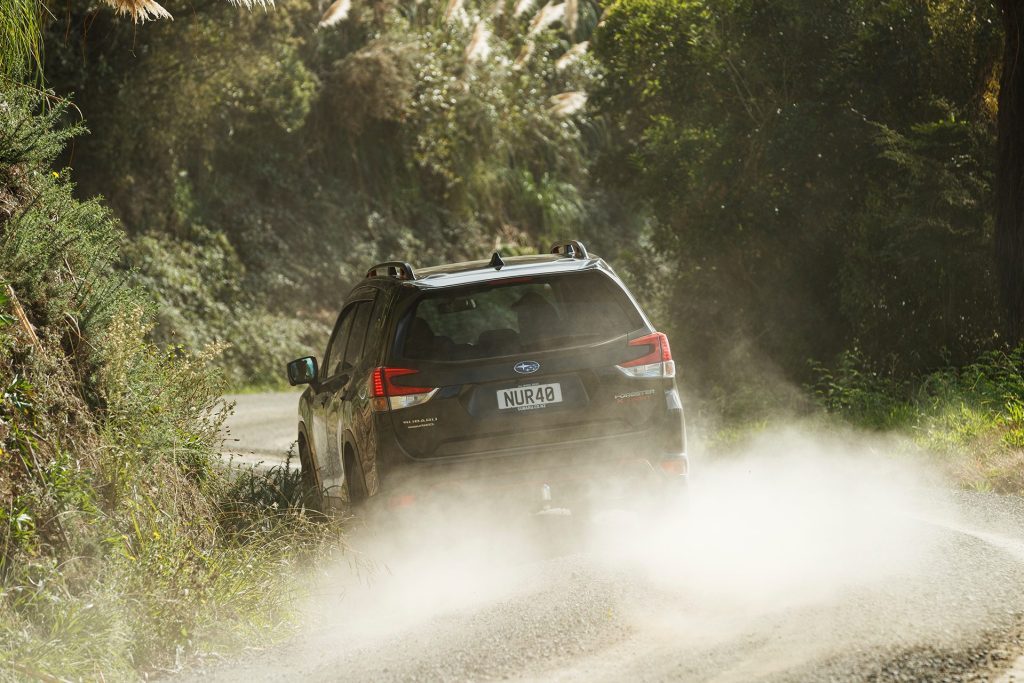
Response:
column 809, row 558
column 262, row 427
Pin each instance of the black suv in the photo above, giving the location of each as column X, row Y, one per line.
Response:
column 536, row 378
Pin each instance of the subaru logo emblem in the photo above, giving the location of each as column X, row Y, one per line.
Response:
column 527, row 367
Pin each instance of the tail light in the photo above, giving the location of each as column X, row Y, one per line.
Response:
column 386, row 394
column 656, row 363
column 675, row 467
column 403, row 501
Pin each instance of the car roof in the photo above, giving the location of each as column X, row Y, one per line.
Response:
column 470, row 272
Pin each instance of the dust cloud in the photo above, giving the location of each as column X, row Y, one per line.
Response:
column 794, row 518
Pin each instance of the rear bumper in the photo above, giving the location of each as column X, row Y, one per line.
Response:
column 603, row 467
column 582, row 472
column 664, row 434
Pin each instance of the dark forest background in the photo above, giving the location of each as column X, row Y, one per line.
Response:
column 780, row 182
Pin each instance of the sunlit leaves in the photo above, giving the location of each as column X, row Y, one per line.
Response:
column 20, row 37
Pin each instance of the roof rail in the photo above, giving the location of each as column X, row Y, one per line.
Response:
column 571, row 249
column 396, row 269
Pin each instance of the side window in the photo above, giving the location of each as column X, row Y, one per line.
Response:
column 356, row 341
column 336, row 347
column 377, row 320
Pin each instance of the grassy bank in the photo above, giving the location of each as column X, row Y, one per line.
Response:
column 124, row 549
column 971, row 418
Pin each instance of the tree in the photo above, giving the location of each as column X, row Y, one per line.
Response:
column 258, row 164
column 1010, row 172
column 817, row 170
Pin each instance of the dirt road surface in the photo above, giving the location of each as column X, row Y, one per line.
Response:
column 262, row 427
column 810, row 558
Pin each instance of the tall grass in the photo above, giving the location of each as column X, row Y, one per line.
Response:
column 20, row 37
column 124, row 547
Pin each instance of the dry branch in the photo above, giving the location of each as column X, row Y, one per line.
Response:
column 19, row 313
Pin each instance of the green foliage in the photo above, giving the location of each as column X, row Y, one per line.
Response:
column 123, row 547
column 819, row 171
column 201, row 302
column 917, row 274
column 972, row 416
column 20, row 37
column 278, row 488
column 863, row 394
column 259, row 167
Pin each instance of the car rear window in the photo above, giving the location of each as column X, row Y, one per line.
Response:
column 505, row 317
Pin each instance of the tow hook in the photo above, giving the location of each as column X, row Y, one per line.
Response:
column 546, row 510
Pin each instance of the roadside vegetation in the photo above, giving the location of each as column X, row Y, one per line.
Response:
column 429, row 131
column 124, row 548
column 971, row 417
column 967, row 421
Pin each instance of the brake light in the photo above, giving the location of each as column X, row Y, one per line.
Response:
column 656, row 363
column 674, row 467
column 386, row 394
column 399, row 502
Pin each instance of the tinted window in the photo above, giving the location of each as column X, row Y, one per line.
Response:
column 522, row 315
column 336, row 347
column 356, row 341
column 377, row 320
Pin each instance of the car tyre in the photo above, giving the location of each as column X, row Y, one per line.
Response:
column 312, row 491
column 354, row 480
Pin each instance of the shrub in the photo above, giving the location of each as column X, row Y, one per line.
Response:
column 971, row 417
column 124, row 548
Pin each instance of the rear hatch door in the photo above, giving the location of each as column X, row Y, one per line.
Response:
column 521, row 364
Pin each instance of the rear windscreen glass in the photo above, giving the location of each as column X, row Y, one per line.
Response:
column 518, row 315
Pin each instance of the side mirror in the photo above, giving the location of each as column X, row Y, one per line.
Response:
column 302, row 371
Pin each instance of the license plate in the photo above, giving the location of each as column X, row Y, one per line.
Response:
column 530, row 397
